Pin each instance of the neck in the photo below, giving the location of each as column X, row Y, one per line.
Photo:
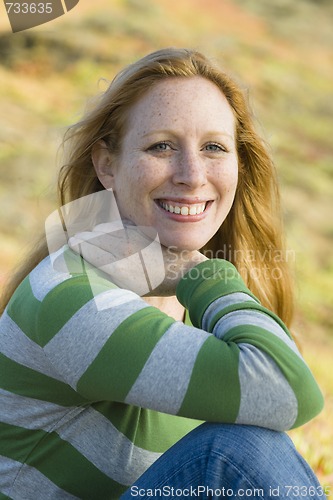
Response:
column 169, row 305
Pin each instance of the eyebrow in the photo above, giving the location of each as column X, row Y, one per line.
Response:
column 210, row 132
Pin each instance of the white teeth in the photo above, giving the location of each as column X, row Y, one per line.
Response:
column 185, row 210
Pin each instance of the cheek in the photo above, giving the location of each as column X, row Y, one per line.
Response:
column 233, row 184
column 228, row 180
column 152, row 177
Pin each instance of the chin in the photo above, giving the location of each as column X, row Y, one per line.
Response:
column 187, row 245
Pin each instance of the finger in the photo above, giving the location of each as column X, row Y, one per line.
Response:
column 96, row 256
column 106, row 241
column 116, row 244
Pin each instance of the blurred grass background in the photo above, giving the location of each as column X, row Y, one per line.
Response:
column 280, row 51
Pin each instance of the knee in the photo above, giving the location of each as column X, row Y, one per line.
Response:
column 245, row 446
column 243, row 437
column 253, row 455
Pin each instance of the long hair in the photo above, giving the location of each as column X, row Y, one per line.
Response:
column 251, row 237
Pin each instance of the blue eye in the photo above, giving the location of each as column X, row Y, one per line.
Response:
column 213, row 147
column 160, row 146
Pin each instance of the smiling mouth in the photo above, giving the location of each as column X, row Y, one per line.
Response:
column 191, row 209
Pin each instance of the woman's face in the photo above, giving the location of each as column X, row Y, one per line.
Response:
column 177, row 169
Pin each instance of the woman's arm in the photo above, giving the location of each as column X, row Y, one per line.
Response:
column 237, row 363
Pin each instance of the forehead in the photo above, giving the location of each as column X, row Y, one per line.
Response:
column 187, row 97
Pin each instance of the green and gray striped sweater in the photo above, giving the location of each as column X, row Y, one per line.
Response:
column 95, row 384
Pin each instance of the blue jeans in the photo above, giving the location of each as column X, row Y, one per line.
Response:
column 229, row 461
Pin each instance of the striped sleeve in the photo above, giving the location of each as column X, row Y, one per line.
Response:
column 237, row 363
column 273, row 386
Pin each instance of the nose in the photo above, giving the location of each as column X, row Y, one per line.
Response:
column 190, row 170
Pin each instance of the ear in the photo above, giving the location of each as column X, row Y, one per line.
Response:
column 102, row 161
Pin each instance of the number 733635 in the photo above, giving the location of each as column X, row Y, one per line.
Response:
column 29, row 8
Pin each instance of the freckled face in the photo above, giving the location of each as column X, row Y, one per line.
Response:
column 177, row 169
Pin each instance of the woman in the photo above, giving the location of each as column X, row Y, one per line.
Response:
column 97, row 383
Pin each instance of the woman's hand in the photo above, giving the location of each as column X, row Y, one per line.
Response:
column 133, row 257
